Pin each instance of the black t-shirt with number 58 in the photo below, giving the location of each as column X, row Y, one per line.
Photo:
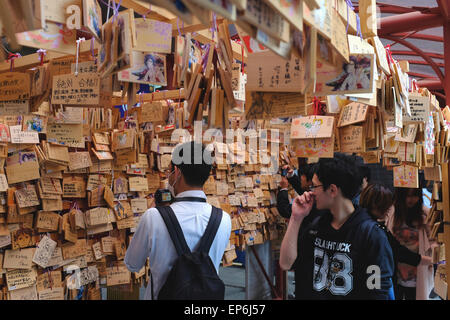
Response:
column 354, row 262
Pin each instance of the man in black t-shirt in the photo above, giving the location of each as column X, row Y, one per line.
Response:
column 300, row 183
column 342, row 253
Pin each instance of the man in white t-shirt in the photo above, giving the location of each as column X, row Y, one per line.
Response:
column 189, row 170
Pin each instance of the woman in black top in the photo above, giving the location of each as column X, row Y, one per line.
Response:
column 378, row 200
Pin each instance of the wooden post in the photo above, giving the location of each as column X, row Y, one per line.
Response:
column 446, row 207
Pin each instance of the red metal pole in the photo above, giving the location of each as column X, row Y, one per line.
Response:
column 431, row 84
column 447, row 61
column 280, row 281
column 420, row 75
column 442, row 96
column 444, row 5
column 412, row 53
column 420, row 36
column 414, row 21
column 272, row 287
column 424, row 63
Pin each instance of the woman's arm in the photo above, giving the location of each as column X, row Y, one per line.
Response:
column 404, row 255
column 283, row 205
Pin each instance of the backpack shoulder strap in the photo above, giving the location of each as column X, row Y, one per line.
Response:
column 174, row 228
column 211, row 230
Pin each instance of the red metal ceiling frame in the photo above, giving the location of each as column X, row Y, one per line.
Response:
column 431, row 84
column 420, row 36
column 420, row 75
column 397, row 27
column 446, row 82
column 442, row 65
column 406, row 22
column 444, row 5
column 436, row 93
column 421, row 53
column 412, row 53
column 390, row 8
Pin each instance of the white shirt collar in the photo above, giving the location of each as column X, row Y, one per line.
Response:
column 191, row 193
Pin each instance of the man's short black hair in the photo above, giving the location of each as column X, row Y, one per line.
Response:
column 193, row 162
column 307, row 170
column 341, row 171
column 365, row 172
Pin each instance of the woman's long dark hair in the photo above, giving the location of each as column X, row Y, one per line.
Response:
column 413, row 217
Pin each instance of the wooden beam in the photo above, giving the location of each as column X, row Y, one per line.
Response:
column 205, row 36
column 446, row 206
column 159, row 10
column 195, row 26
column 147, row 97
column 30, row 60
column 140, row 8
column 172, row 8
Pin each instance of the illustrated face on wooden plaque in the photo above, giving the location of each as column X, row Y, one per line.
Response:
column 147, row 68
column 22, row 238
column 120, row 185
column 93, row 17
column 35, row 123
column 353, row 77
column 123, row 210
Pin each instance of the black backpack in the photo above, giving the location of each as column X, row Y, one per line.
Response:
column 193, row 276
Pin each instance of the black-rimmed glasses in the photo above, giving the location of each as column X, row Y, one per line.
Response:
column 311, row 188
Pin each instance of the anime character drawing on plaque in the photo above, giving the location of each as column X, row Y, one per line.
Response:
column 355, row 75
column 93, row 17
column 152, row 71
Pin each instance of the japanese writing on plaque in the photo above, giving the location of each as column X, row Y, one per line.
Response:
column 83, row 89
column 269, row 72
column 420, row 107
column 263, row 15
column 14, row 86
